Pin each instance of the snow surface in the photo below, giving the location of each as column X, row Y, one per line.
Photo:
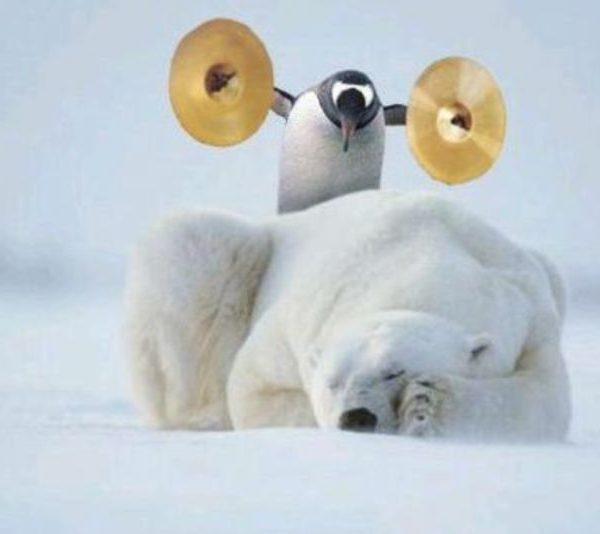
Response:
column 76, row 459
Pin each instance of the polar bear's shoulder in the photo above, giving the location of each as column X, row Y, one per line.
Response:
column 460, row 226
column 530, row 270
column 430, row 207
column 417, row 223
column 389, row 207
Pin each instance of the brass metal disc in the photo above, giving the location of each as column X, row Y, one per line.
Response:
column 456, row 120
column 221, row 82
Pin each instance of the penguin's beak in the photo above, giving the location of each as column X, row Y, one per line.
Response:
column 348, row 130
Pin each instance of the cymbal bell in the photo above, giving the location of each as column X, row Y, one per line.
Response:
column 456, row 120
column 221, row 82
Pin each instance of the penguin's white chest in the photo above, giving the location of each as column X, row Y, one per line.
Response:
column 314, row 166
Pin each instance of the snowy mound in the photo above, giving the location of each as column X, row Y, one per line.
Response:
column 76, row 459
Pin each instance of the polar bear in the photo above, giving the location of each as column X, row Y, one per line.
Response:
column 376, row 311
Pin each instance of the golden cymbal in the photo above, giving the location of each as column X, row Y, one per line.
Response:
column 456, row 120
column 221, row 82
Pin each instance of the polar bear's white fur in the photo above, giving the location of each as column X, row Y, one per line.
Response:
column 404, row 307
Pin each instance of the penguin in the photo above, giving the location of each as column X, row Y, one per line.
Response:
column 333, row 141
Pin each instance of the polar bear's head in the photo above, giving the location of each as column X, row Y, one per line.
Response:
column 358, row 376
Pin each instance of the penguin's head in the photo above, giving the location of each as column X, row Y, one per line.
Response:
column 349, row 101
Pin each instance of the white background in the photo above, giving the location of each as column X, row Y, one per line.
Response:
column 91, row 155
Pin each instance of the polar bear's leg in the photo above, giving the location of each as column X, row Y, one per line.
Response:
column 147, row 381
column 532, row 404
column 265, row 388
column 278, row 407
column 189, row 298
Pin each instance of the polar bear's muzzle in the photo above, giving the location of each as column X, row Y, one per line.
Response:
column 358, row 420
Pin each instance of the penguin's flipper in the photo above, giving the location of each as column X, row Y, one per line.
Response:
column 395, row 115
column 282, row 102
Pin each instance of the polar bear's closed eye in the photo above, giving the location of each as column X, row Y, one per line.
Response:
column 479, row 345
column 393, row 375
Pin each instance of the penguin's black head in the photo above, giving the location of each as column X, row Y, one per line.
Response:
column 349, row 100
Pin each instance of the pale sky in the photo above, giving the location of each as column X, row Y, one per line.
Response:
column 91, row 154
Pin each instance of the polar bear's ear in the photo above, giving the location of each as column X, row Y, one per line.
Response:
column 480, row 344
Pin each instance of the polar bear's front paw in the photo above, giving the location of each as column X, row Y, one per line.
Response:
column 420, row 409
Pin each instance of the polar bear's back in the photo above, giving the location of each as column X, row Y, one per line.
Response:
column 373, row 251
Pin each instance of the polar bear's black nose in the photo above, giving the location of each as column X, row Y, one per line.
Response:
column 359, row 419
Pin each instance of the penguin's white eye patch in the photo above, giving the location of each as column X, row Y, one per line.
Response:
column 366, row 90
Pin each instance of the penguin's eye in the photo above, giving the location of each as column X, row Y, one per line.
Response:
column 366, row 91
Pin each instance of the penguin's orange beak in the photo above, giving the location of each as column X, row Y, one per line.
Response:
column 348, row 130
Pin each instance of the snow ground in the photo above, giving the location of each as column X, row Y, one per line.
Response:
column 76, row 459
